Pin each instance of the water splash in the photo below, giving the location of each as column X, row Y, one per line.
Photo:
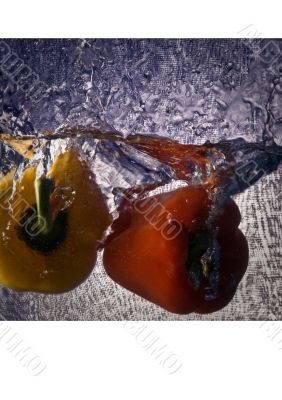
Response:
column 122, row 162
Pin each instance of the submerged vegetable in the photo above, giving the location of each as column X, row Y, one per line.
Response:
column 50, row 227
column 164, row 249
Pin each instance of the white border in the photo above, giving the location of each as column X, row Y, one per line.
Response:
column 146, row 18
column 220, row 360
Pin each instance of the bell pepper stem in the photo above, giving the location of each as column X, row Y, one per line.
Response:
column 43, row 189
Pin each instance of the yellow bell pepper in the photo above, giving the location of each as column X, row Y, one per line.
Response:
column 43, row 247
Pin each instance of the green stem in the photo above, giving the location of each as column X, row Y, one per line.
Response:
column 43, row 190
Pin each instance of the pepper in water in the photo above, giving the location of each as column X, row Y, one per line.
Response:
column 50, row 226
column 166, row 249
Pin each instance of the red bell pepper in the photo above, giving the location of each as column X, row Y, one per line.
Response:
column 171, row 250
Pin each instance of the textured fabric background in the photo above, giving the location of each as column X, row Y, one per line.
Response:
column 189, row 90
